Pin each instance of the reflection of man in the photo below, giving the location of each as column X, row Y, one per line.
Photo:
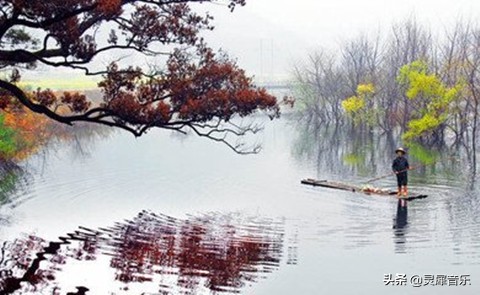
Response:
column 400, row 225
column 400, row 167
column 402, row 215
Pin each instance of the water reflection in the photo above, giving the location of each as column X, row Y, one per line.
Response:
column 16, row 177
column 221, row 252
column 400, row 226
column 354, row 154
column 12, row 179
column 448, row 218
column 342, row 151
column 202, row 254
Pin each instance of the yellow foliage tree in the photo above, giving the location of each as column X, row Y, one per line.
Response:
column 434, row 95
column 359, row 107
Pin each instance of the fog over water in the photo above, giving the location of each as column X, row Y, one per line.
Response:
column 183, row 215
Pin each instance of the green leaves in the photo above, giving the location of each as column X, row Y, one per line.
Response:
column 359, row 107
column 353, row 105
column 433, row 98
column 8, row 144
column 423, row 155
column 423, row 125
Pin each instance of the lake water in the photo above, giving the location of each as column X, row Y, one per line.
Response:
column 169, row 214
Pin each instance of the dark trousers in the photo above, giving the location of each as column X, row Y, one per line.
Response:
column 402, row 179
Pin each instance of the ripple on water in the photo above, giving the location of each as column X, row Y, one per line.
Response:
column 149, row 253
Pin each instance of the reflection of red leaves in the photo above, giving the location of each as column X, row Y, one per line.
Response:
column 222, row 254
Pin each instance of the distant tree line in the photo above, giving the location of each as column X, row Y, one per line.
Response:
column 410, row 81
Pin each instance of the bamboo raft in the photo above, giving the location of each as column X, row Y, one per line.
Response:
column 357, row 189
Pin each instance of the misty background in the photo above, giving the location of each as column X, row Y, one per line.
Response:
column 296, row 28
column 268, row 37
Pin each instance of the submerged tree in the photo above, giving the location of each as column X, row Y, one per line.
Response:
column 194, row 88
column 361, row 107
column 432, row 101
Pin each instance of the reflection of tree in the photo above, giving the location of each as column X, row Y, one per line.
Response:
column 20, row 264
column 79, row 140
column 230, row 259
column 342, row 150
column 13, row 182
column 204, row 253
column 15, row 177
column 349, row 152
column 12, row 179
column 463, row 212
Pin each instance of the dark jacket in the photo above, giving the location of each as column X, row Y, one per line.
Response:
column 400, row 164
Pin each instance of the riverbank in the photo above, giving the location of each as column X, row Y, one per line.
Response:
column 22, row 133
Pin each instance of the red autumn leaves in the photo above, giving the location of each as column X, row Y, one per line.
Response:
column 195, row 85
column 186, row 93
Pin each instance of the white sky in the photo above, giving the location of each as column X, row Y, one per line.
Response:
column 293, row 28
column 297, row 27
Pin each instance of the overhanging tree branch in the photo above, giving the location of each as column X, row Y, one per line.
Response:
column 195, row 89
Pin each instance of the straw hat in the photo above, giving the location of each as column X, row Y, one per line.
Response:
column 400, row 150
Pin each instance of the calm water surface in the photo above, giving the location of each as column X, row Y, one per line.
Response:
column 167, row 214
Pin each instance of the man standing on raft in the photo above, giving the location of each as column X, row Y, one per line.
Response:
column 400, row 167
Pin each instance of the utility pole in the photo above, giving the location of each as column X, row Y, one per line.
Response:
column 261, row 59
column 272, row 73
